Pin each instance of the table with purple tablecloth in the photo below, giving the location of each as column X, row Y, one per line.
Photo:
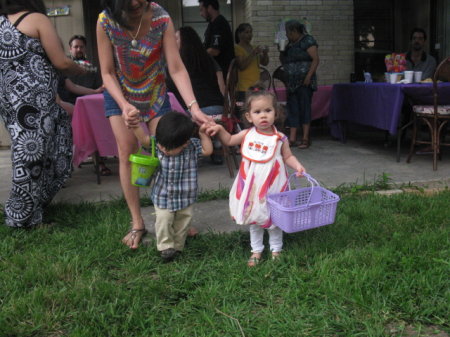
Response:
column 377, row 105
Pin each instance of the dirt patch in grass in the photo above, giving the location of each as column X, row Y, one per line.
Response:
column 408, row 330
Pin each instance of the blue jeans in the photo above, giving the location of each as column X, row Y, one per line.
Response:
column 112, row 109
column 299, row 107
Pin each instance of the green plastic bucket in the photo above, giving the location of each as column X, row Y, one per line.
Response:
column 143, row 167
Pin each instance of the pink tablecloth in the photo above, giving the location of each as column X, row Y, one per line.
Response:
column 91, row 129
column 320, row 102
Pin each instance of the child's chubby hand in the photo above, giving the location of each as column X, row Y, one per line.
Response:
column 300, row 170
column 212, row 130
column 204, row 129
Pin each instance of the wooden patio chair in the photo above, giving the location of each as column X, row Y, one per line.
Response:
column 434, row 116
column 229, row 118
column 279, row 80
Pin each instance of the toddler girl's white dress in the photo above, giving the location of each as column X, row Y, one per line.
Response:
column 262, row 172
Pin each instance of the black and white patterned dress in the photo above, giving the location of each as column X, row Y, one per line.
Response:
column 41, row 137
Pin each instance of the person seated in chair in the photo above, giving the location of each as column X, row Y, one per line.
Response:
column 416, row 58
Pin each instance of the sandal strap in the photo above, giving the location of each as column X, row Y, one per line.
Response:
column 135, row 231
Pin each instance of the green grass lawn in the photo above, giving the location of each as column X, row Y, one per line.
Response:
column 384, row 263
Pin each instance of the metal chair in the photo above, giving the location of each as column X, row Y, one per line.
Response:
column 434, row 116
column 279, row 80
column 265, row 78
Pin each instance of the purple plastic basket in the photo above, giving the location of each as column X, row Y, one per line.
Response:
column 303, row 208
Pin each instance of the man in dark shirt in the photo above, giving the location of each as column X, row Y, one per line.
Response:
column 92, row 79
column 417, row 59
column 218, row 36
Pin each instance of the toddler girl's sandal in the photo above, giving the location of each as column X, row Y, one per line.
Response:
column 253, row 261
column 276, row 256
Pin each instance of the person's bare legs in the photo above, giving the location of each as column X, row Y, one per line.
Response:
column 292, row 135
column 152, row 125
column 305, row 128
column 305, row 138
column 127, row 144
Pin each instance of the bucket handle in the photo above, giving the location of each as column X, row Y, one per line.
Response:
column 153, row 147
column 310, row 179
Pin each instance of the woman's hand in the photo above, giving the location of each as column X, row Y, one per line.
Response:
column 130, row 116
column 200, row 118
column 307, row 81
column 100, row 89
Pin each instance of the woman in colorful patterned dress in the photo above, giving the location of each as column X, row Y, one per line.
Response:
column 265, row 154
column 135, row 39
column 41, row 138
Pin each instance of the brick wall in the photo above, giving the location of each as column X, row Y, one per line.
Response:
column 332, row 27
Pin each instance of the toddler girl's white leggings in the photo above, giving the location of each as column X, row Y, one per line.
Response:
column 257, row 235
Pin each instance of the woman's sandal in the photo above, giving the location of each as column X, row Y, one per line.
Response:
column 305, row 144
column 135, row 237
column 293, row 143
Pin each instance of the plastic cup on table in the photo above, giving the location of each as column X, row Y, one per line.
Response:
column 393, row 78
column 409, row 76
column 417, row 76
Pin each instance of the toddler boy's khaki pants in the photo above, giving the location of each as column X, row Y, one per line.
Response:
column 171, row 227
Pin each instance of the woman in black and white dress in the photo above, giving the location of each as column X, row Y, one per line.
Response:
column 41, row 138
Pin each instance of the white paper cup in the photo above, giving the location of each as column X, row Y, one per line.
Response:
column 282, row 44
column 409, row 76
column 393, row 78
column 417, row 76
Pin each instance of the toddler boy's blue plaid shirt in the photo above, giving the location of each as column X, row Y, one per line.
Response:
column 175, row 184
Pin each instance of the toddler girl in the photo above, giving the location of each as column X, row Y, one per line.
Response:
column 265, row 151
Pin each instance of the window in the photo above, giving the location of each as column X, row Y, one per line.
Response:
column 374, row 36
column 191, row 15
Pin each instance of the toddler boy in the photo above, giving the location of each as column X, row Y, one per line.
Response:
column 175, row 184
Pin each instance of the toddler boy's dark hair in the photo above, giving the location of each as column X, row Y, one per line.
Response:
column 174, row 129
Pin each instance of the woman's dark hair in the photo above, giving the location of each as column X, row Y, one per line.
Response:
column 15, row 6
column 193, row 53
column 295, row 25
column 242, row 27
column 213, row 3
column 174, row 129
column 115, row 9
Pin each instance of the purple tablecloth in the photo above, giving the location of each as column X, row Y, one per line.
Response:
column 377, row 104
